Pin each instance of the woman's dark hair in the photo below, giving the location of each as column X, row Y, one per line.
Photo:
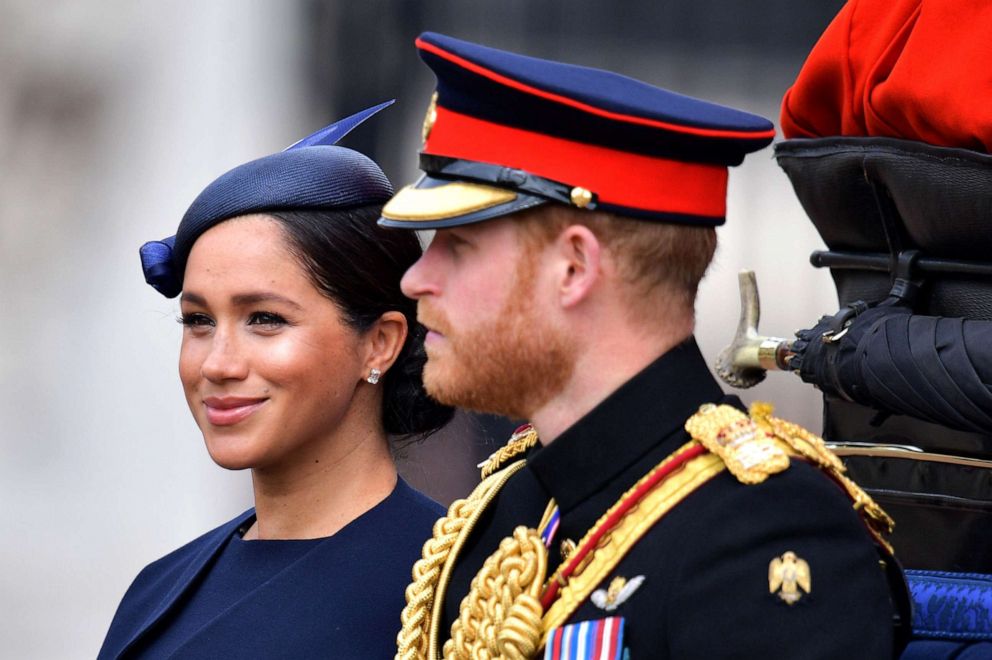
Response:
column 358, row 265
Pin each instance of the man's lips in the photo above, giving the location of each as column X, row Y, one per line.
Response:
column 229, row 410
column 432, row 337
column 433, row 322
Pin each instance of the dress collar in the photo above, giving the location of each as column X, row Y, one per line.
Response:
column 644, row 412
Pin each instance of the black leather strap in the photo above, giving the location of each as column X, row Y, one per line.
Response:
column 497, row 175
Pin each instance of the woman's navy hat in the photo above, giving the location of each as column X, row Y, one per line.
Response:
column 310, row 174
column 506, row 132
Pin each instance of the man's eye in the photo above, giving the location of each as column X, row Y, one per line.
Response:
column 457, row 243
column 195, row 320
column 266, row 318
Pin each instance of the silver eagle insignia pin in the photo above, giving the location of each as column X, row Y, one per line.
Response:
column 617, row 593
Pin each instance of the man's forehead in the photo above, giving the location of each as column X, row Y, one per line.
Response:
column 492, row 231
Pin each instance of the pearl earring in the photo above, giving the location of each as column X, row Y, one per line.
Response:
column 373, row 376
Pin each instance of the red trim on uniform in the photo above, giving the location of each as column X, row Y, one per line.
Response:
column 617, row 177
column 614, row 638
column 626, row 504
column 644, row 121
column 879, row 539
column 556, row 646
column 598, row 644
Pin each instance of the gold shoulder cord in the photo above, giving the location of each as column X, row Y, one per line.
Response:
column 417, row 639
column 500, row 617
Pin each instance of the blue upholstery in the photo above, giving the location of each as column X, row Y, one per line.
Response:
column 951, row 606
column 952, row 616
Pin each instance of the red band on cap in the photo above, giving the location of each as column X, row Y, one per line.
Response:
column 619, row 178
column 633, row 119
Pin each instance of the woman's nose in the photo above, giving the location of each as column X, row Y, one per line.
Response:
column 225, row 359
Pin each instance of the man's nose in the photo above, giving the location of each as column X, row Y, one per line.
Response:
column 420, row 279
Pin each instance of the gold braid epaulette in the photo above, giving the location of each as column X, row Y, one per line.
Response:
column 811, row 447
column 758, row 445
column 421, row 616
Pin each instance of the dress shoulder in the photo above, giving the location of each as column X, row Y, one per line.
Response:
column 156, row 580
column 416, row 501
column 193, row 547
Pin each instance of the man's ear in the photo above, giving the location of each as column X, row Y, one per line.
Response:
column 385, row 341
column 580, row 255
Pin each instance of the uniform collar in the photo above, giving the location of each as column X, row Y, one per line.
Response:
column 643, row 413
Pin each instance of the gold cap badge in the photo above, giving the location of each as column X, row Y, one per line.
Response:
column 429, row 118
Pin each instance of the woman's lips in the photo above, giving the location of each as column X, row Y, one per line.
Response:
column 227, row 411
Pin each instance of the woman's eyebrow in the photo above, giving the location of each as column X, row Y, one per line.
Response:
column 192, row 298
column 253, row 298
column 243, row 299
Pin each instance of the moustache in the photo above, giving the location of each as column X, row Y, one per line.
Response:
column 432, row 319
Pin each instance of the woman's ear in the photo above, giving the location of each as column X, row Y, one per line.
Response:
column 579, row 253
column 385, row 341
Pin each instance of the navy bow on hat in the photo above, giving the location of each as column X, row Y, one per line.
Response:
column 310, row 174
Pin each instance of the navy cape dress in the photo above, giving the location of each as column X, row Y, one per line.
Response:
column 334, row 597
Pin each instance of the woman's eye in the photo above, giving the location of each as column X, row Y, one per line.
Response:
column 266, row 318
column 195, row 320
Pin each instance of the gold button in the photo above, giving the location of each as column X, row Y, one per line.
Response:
column 581, row 197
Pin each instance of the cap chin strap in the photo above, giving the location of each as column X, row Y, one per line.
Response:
column 442, row 167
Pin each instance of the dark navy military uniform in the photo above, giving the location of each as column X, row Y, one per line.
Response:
column 705, row 564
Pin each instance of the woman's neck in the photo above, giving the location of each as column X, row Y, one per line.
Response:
column 321, row 493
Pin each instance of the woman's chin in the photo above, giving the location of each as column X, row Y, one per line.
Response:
column 229, row 464
column 232, row 458
column 233, row 462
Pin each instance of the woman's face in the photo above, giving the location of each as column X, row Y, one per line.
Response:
column 267, row 363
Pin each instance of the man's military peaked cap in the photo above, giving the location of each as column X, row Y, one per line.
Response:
column 507, row 132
